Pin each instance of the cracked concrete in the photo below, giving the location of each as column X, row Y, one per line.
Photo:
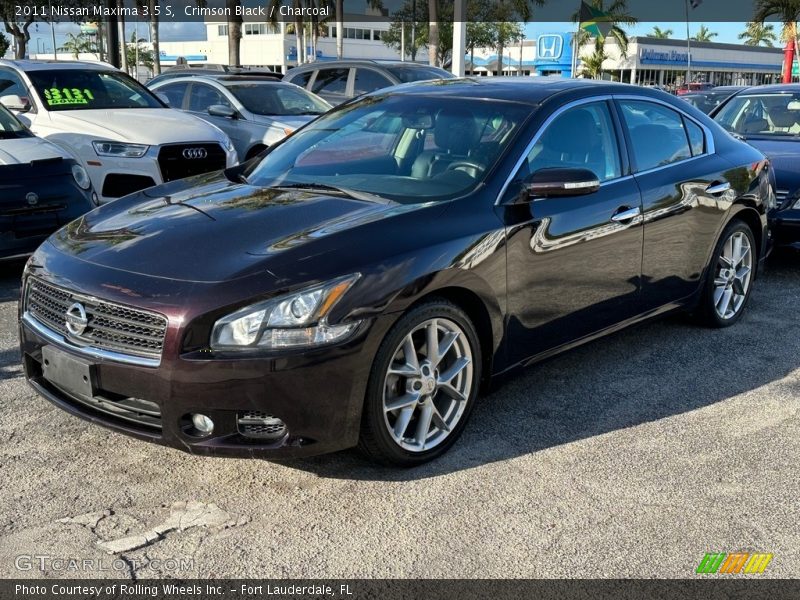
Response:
column 629, row 457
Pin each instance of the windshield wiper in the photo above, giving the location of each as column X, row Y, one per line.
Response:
column 324, row 187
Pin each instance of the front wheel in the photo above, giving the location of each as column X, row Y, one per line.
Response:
column 730, row 276
column 422, row 386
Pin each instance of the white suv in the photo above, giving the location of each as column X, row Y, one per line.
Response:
column 125, row 137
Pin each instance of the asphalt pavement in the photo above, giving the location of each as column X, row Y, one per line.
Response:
column 632, row 456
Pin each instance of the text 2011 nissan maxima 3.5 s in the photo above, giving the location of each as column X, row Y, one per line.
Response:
column 362, row 280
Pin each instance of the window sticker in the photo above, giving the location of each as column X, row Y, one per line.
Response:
column 60, row 96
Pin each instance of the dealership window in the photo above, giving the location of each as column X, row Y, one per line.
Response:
column 222, row 30
column 658, row 137
column 259, row 29
column 377, row 35
column 567, row 142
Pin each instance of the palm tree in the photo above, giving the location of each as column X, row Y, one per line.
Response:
column 339, row 27
column 659, row 33
column 77, row 44
column 433, row 31
column 704, row 34
column 618, row 15
column 787, row 12
column 757, row 34
column 593, row 63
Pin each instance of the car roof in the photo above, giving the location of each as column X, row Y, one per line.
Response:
column 49, row 65
column 776, row 87
column 366, row 62
column 530, row 90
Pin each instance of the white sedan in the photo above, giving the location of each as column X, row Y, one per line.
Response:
column 124, row 136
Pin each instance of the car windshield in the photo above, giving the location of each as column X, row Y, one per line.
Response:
column 408, row 74
column 766, row 114
column 278, row 99
column 10, row 127
column 83, row 89
column 405, row 148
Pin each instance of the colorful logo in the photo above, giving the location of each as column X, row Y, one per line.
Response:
column 738, row 562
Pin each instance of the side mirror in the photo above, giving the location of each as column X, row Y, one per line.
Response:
column 16, row 103
column 550, row 183
column 220, row 110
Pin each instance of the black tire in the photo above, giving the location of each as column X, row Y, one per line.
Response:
column 375, row 440
column 707, row 313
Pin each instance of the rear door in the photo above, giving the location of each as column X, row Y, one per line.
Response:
column 203, row 95
column 332, row 84
column 685, row 195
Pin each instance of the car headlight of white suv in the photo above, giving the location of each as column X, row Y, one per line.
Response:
column 119, row 149
column 292, row 321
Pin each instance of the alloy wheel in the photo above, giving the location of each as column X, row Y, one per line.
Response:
column 427, row 384
column 734, row 273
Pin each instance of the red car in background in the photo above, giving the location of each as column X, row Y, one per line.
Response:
column 693, row 88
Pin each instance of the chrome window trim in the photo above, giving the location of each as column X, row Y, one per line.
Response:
column 710, row 146
column 96, row 353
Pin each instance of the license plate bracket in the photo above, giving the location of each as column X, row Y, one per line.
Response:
column 71, row 374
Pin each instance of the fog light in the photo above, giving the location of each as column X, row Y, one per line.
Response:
column 202, row 423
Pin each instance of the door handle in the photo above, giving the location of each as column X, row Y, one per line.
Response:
column 715, row 189
column 626, row 214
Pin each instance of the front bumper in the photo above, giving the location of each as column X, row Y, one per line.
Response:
column 317, row 394
column 785, row 226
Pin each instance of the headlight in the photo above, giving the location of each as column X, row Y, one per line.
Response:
column 293, row 321
column 119, row 149
column 81, row 177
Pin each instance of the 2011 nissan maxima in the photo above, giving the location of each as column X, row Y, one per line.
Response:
column 362, row 280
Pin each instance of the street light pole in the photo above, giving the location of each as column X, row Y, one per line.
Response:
column 459, row 38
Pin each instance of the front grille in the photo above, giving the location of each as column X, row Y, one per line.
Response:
column 110, row 326
column 257, row 424
column 176, row 162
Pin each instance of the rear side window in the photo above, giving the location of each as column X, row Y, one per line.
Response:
column 174, row 92
column 657, row 133
column 331, row 81
column 368, row 80
column 301, row 79
column 696, row 138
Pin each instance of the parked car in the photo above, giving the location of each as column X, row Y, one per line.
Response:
column 338, row 81
column 710, row 99
column 768, row 117
column 42, row 187
column 213, row 70
column 124, row 136
column 254, row 113
column 692, row 88
column 361, row 280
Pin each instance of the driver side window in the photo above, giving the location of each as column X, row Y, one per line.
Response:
column 580, row 137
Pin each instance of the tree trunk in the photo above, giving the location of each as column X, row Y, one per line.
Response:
column 433, row 32
column 154, row 38
column 122, row 39
column 299, row 33
column 234, row 33
column 500, row 50
column 339, row 27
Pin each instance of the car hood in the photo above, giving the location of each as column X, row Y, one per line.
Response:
column 215, row 230
column 162, row 125
column 24, row 150
column 784, row 156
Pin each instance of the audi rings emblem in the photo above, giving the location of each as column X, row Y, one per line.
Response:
column 193, row 153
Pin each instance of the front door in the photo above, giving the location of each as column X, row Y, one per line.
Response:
column 574, row 263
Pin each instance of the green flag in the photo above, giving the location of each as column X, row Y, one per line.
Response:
column 594, row 21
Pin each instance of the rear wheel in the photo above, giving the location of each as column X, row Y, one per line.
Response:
column 730, row 276
column 422, row 386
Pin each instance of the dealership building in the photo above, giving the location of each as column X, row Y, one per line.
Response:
column 655, row 61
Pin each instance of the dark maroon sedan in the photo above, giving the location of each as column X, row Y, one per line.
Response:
column 359, row 282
